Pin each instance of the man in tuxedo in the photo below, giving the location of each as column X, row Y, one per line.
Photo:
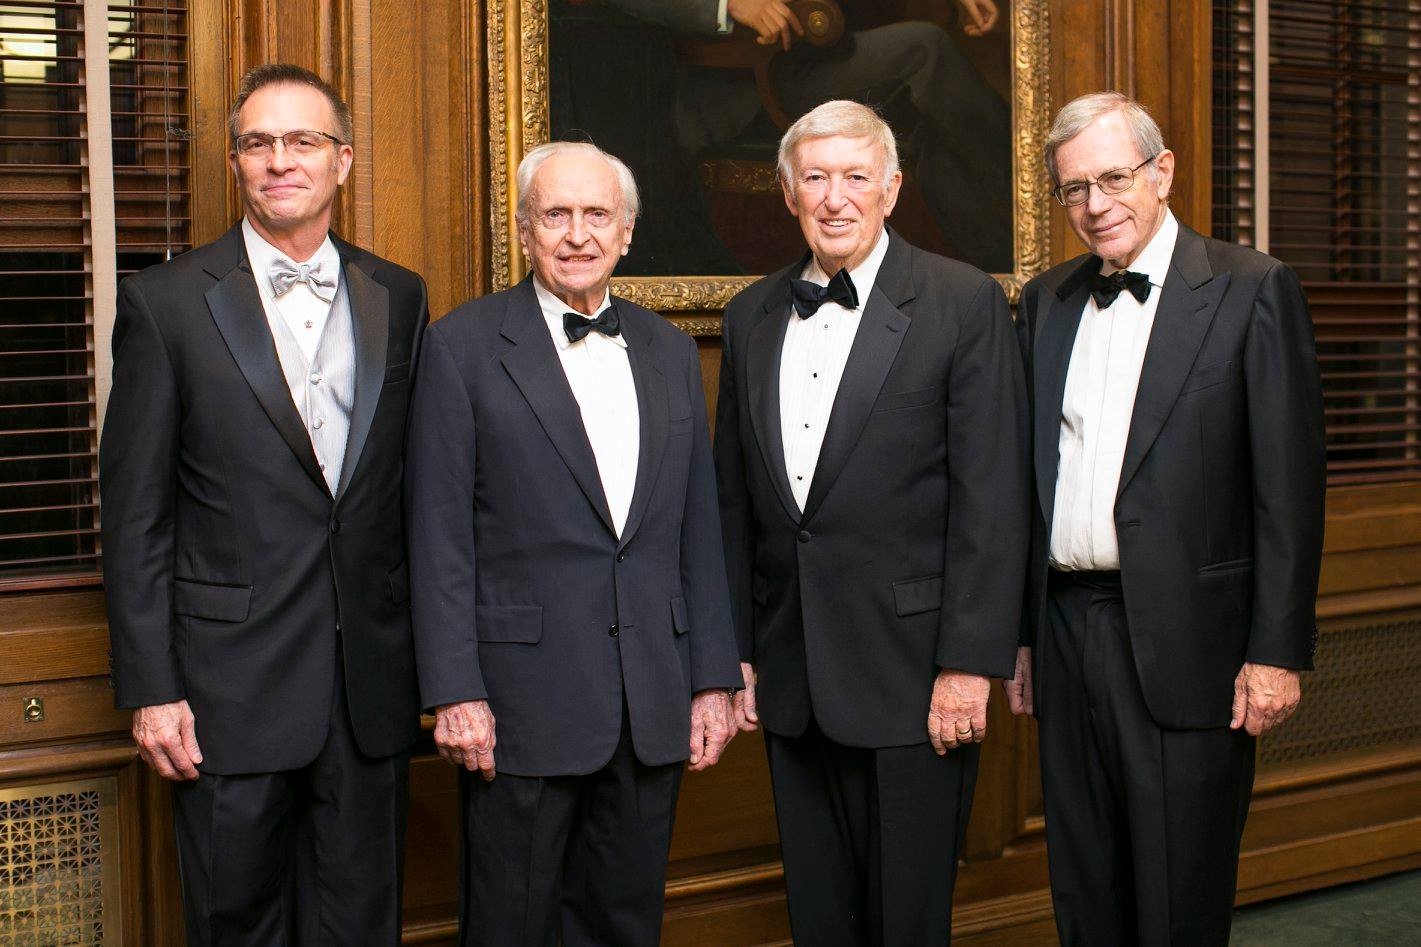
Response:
column 1177, row 537
column 571, row 617
column 871, row 448
column 253, row 543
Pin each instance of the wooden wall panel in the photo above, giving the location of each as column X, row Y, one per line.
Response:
column 426, row 164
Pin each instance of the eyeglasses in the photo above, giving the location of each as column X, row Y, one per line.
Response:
column 302, row 143
column 1117, row 181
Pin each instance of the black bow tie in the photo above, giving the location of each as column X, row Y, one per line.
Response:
column 1106, row 288
column 577, row 325
column 808, row 297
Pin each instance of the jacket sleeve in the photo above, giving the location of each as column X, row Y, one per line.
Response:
column 439, row 500
column 712, row 637
column 138, row 463
column 1285, row 429
column 1026, row 323
column 984, row 573
column 681, row 16
column 736, row 515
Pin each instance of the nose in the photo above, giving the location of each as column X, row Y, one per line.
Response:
column 834, row 197
column 1097, row 201
column 279, row 160
column 576, row 230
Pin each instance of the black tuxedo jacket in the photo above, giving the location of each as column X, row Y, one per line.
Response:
column 910, row 554
column 1219, row 513
column 523, row 594
column 234, row 579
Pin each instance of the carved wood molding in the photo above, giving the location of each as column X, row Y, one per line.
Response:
column 51, row 762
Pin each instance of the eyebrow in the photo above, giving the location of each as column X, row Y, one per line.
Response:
column 853, row 169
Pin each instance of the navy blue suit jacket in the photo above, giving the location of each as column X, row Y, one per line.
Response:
column 518, row 576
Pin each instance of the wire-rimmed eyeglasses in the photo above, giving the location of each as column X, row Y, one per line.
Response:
column 1115, row 181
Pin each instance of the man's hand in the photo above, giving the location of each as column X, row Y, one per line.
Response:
column 958, row 714
column 981, row 16
column 1264, row 696
column 772, row 19
column 1020, row 697
column 464, row 735
column 747, row 717
column 712, row 726
column 167, row 739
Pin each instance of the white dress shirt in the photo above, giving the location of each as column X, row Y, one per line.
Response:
column 315, row 345
column 1099, row 402
column 811, row 365
column 599, row 372
column 303, row 311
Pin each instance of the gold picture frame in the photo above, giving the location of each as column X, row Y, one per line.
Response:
column 519, row 120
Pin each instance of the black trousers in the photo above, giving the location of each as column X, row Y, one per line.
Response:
column 870, row 838
column 583, row 857
column 313, row 856
column 1142, row 823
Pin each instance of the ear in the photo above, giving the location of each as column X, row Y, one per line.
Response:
column 890, row 196
column 235, row 163
column 788, row 190
column 345, row 157
column 627, row 237
column 523, row 240
column 1164, row 168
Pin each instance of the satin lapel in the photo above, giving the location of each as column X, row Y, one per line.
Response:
column 534, row 367
column 370, row 318
column 652, row 410
column 876, row 344
column 1051, row 359
column 236, row 307
column 762, row 371
column 1191, row 297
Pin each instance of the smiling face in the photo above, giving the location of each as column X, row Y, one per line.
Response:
column 840, row 197
column 1116, row 227
column 281, row 192
column 576, row 229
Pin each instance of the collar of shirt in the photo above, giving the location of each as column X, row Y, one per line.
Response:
column 261, row 255
column 553, row 309
column 863, row 275
column 1153, row 261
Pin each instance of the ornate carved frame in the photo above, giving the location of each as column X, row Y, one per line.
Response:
column 518, row 121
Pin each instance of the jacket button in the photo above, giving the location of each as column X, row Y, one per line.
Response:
column 805, row 536
column 613, row 631
column 335, row 526
column 621, row 557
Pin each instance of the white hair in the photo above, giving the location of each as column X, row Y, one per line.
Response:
column 839, row 118
column 534, row 159
column 1076, row 114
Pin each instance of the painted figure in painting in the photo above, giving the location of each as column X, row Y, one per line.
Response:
column 698, row 103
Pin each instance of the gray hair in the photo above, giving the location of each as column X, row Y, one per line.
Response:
column 1076, row 114
column 282, row 73
column 839, row 118
column 533, row 160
